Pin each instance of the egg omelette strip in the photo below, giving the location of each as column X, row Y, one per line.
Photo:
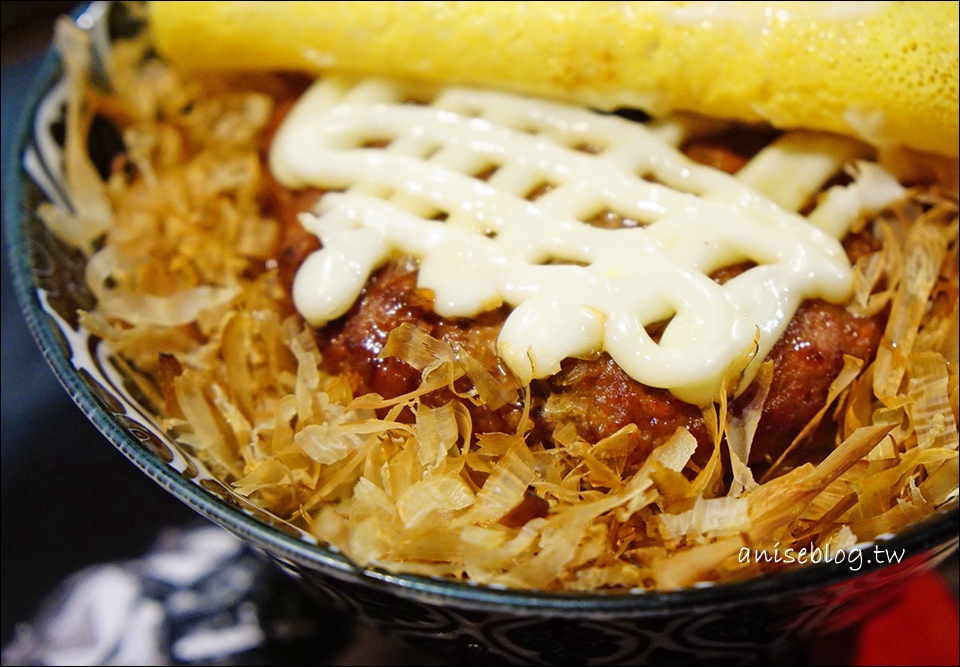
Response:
column 885, row 72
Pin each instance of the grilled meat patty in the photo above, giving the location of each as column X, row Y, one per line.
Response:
column 595, row 394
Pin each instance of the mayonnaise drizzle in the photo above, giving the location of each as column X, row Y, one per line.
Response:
column 576, row 290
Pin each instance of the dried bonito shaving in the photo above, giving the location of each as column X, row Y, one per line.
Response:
column 235, row 375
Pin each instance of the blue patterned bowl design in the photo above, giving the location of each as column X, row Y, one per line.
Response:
column 733, row 623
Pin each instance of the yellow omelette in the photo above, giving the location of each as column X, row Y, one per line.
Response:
column 885, row 72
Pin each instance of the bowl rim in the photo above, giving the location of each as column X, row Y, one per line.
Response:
column 938, row 531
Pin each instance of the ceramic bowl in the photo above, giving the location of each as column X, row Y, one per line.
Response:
column 731, row 623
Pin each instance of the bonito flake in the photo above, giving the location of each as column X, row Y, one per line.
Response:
column 193, row 307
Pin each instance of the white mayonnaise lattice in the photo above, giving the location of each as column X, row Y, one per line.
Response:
column 407, row 182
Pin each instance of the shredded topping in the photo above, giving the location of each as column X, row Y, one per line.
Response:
column 234, row 373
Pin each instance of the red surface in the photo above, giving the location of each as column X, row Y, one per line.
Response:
column 920, row 629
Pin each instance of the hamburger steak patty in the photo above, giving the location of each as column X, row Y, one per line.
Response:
column 594, row 394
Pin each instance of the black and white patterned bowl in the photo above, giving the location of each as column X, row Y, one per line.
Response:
column 732, row 623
